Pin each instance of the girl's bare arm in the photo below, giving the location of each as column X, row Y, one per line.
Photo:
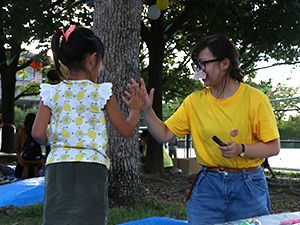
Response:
column 40, row 124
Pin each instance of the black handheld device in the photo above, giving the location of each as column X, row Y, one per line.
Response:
column 218, row 141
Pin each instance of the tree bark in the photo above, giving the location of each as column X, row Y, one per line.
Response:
column 117, row 23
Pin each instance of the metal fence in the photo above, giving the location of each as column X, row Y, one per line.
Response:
column 290, row 143
column 186, row 142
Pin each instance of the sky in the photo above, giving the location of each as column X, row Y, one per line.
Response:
column 289, row 75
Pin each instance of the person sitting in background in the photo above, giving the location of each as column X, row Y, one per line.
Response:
column 142, row 149
column 168, row 163
column 26, row 168
column 266, row 165
column 173, row 143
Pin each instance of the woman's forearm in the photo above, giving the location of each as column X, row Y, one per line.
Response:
column 156, row 127
column 263, row 150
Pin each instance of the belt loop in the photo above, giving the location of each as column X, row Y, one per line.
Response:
column 203, row 169
column 244, row 173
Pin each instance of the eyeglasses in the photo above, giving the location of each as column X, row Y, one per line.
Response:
column 201, row 64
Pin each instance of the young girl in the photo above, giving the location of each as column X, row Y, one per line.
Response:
column 76, row 168
column 231, row 184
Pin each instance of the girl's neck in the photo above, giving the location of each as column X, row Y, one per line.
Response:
column 230, row 89
column 78, row 76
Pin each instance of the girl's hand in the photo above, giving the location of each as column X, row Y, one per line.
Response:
column 231, row 149
column 137, row 96
column 125, row 127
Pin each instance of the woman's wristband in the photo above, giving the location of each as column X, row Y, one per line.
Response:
column 242, row 154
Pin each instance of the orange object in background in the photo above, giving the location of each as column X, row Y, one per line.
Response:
column 36, row 65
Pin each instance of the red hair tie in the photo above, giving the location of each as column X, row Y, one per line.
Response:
column 68, row 32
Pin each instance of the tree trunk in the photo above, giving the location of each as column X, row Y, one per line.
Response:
column 117, row 23
column 8, row 113
column 8, row 84
column 154, row 160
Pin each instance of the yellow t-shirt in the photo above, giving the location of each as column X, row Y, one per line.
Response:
column 248, row 112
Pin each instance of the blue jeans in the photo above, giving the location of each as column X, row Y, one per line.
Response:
column 222, row 197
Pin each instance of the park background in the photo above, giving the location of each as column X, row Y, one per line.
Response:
column 154, row 45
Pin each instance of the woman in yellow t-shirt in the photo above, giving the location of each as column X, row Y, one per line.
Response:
column 231, row 184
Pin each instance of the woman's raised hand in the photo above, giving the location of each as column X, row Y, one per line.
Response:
column 148, row 98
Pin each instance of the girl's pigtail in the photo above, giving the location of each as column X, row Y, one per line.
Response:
column 58, row 54
column 55, row 46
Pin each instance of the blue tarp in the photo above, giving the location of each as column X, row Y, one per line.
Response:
column 22, row 192
column 157, row 221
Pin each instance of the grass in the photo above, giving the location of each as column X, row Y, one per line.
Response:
column 152, row 208
column 284, row 174
column 33, row 215
column 284, row 197
column 29, row 215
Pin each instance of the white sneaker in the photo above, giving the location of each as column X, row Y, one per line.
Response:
column 6, row 180
column 12, row 179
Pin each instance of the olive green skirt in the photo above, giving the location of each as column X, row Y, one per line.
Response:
column 75, row 193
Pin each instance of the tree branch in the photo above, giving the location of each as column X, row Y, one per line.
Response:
column 285, row 110
column 283, row 99
column 275, row 64
column 28, row 94
column 24, row 65
column 23, row 93
column 252, row 60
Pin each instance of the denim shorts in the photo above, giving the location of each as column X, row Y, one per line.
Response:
column 222, row 197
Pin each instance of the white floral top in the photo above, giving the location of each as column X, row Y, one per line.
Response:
column 77, row 126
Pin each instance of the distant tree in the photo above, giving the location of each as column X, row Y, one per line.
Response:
column 283, row 100
column 290, row 129
column 20, row 115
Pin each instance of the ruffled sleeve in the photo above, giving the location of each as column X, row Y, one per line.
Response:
column 105, row 93
column 45, row 94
